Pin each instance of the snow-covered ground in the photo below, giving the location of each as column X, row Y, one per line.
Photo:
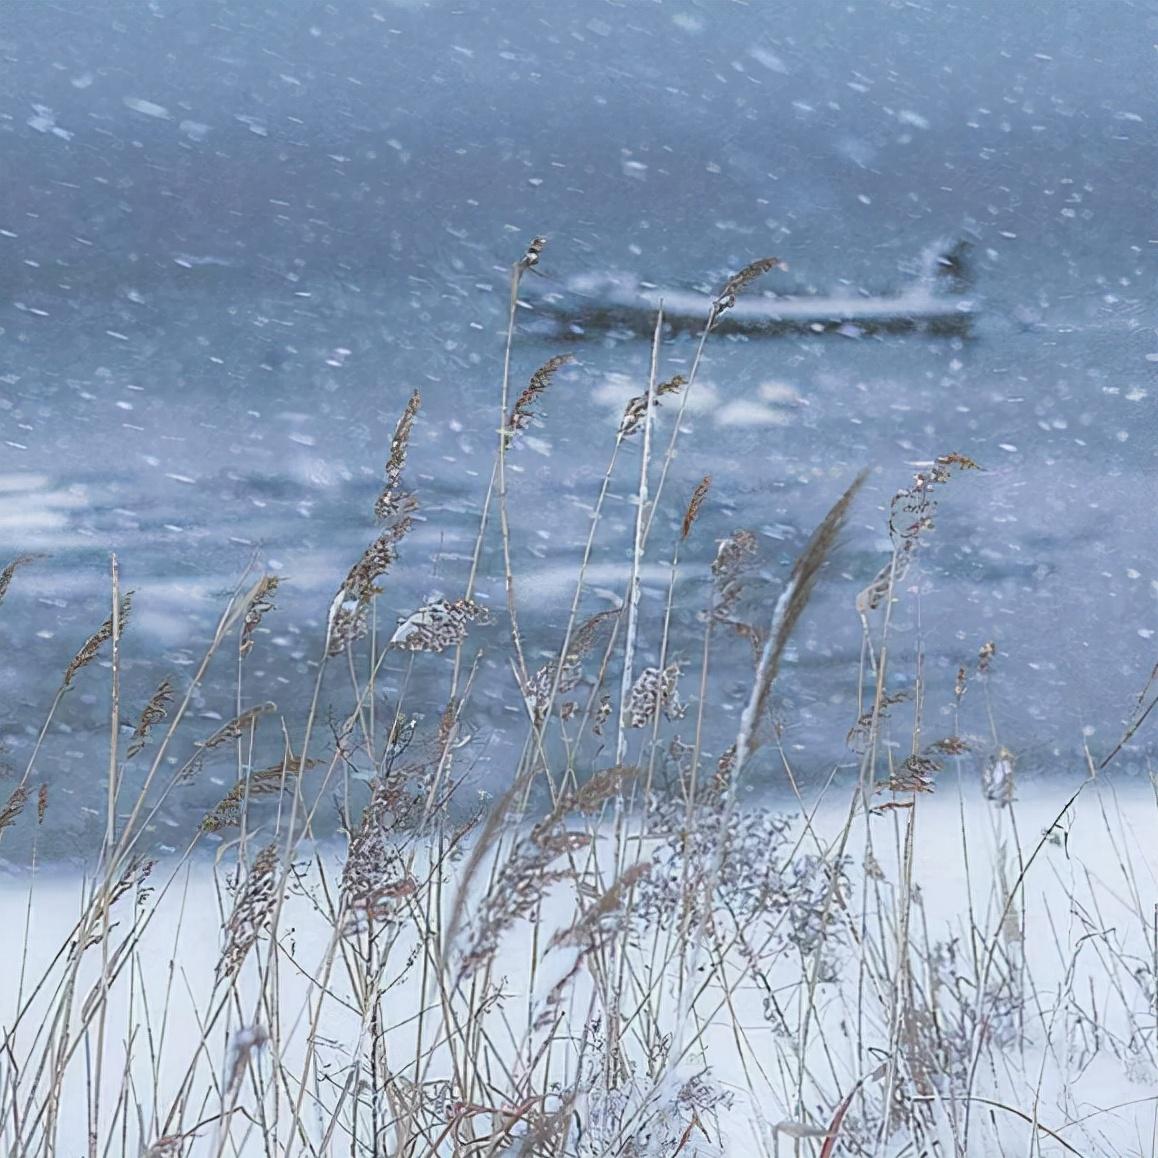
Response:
column 1031, row 1019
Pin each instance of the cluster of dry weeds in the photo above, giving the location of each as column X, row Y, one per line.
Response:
column 640, row 966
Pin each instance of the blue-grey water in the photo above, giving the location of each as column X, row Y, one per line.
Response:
column 234, row 237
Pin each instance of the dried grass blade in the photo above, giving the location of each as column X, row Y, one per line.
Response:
column 265, row 782
column 257, row 604
column 14, row 806
column 697, row 501
column 738, row 282
column 437, row 625
column 11, row 569
column 636, row 409
column 789, row 607
column 387, row 502
column 346, row 621
column 522, row 413
column 252, row 912
column 154, row 711
column 98, row 639
column 235, row 728
column 530, row 259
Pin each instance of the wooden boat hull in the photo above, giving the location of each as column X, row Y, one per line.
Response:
column 610, row 302
column 585, row 318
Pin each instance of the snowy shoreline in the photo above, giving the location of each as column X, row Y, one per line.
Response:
column 1066, row 1037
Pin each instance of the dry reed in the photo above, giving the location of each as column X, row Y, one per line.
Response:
column 650, row 961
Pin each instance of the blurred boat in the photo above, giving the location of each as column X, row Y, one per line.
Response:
column 935, row 301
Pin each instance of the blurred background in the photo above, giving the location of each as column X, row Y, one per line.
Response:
column 234, row 237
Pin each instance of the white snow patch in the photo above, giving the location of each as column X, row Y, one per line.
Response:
column 748, row 412
column 686, row 22
column 147, row 108
column 255, row 124
column 768, row 59
column 909, row 117
column 194, row 261
column 44, row 121
column 194, row 130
